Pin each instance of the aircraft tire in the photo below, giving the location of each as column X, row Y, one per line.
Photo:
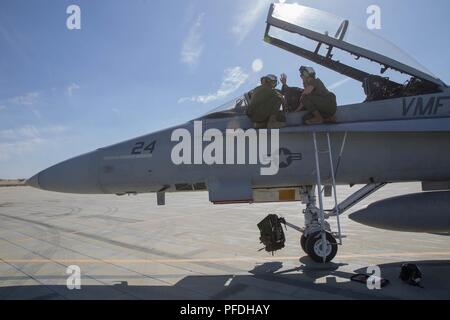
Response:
column 303, row 243
column 314, row 244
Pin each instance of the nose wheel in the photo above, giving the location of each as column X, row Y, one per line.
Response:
column 314, row 247
column 303, row 243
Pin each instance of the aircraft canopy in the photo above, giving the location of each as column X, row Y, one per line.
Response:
column 286, row 22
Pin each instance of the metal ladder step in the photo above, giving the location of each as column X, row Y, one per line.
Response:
column 321, row 190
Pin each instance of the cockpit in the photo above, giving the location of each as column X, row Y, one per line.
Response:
column 235, row 107
column 384, row 70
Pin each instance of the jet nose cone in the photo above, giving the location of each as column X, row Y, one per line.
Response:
column 33, row 182
column 77, row 175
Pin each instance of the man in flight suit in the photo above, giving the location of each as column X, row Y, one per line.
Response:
column 316, row 99
column 265, row 103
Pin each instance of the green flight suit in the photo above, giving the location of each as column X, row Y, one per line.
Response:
column 264, row 103
column 320, row 100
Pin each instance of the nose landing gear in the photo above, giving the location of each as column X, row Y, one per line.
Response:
column 314, row 247
column 317, row 241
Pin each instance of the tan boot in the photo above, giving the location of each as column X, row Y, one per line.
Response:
column 331, row 119
column 317, row 119
column 274, row 124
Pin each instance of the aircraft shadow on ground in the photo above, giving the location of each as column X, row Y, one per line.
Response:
column 266, row 281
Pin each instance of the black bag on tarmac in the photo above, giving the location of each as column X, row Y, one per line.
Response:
column 272, row 234
column 411, row 274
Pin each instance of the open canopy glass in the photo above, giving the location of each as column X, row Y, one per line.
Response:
column 288, row 21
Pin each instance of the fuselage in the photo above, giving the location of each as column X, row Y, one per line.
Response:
column 145, row 164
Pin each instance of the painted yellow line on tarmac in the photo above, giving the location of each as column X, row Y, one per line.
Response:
column 228, row 259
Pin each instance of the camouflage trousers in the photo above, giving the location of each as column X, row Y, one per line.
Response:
column 326, row 106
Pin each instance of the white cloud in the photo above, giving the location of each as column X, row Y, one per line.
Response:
column 57, row 129
column 192, row 46
column 232, row 80
column 71, row 88
column 248, row 14
column 10, row 149
column 21, row 133
column 25, row 139
column 30, row 131
column 29, row 99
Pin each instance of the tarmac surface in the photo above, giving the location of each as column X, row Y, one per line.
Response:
column 128, row 248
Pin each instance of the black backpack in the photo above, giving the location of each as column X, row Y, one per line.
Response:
column 272, row 234
column 411, row 274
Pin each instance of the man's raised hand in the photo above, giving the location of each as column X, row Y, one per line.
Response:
column 283, row 78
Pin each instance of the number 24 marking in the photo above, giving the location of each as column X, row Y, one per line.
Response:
column 139, row 148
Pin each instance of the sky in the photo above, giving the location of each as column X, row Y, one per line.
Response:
column 139, row 66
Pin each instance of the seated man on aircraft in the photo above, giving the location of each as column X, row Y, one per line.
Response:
column 316, row 99
column 265, row 103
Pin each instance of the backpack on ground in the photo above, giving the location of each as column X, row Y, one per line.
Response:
column 272, row 234
column 411, row 274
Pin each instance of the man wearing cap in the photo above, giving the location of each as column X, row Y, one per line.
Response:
column 265, row 103
column 316, row 99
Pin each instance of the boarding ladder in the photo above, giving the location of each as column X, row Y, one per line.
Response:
column 339, row 208
column 321, row 189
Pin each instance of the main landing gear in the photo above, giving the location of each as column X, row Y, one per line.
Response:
column 317, row 240
column 312, row 239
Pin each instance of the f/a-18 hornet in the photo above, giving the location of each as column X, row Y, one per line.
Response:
column 400, row 133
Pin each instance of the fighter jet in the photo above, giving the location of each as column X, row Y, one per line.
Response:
column 400, row 133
